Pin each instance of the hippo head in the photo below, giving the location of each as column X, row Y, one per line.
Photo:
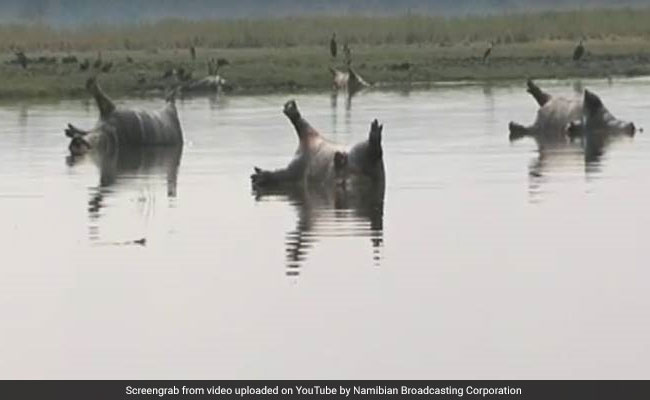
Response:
column 599, row 119
column 365, row 159
column 78, row 144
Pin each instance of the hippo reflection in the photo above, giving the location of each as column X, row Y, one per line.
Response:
column 127, row 170
column 329, row 211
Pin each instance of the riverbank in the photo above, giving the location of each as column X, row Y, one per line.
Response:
column 293, row 54
column 263, row 70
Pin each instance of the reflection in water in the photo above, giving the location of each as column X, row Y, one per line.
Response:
column 122, row 168
column 584, row 156
column 334, row 99
column 330, row 212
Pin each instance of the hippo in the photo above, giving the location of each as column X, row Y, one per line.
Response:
column 208, row 84
column 350, row 80
column 320, row 161
column 118, row 127
column 560, row 120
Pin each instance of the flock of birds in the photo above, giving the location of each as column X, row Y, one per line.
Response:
column 183, row 74
column 578, row 52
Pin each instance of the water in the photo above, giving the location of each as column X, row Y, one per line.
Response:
column 482, row 262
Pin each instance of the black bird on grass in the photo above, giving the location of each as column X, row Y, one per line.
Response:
column 107, row 67
column 579, row 51
column 487, row 53
column 129, row 59
column 98, row 61
column 193, row 52
column 333, row 46
column 21, row 58
column 83, row 66
column 348, row 54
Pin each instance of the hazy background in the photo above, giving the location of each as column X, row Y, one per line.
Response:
column 80, row 12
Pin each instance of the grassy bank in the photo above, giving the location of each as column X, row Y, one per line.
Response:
column 292, row 54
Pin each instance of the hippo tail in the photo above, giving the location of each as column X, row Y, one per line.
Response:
column 518, row 131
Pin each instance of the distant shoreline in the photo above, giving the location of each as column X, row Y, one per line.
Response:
column 292, row 55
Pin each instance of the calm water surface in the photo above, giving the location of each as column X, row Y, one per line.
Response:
column 484, row 261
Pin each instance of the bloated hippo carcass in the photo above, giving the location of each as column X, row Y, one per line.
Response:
column 350, row 80
column 559, row 120
column 318, row 161
column 119, row 127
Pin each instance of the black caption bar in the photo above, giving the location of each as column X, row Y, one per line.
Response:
column 166, row 390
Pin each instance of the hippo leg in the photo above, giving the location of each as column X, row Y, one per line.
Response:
column 104, row 103
column 540, row 96
column 518, row 131
column 72, row 131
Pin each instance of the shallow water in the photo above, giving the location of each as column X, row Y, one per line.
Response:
column 482, row 261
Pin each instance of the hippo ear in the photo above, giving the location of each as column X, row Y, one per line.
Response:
column 592, row 102
column 375, row 134
column 374, row 140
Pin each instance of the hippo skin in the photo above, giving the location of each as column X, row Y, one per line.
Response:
column 118, row 127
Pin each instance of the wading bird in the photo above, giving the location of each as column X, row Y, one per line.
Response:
column 107, row 67
column 348, row 54
column 98, row 61
column 579, row 51
column 487, row 53
column 21, row 58
column 333, row 46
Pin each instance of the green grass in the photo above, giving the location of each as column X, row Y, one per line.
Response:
column 292, row 54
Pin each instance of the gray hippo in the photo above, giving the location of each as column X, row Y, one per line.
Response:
column 318, row 160
column 119, row 127
column 348, row 80
column 560, row 120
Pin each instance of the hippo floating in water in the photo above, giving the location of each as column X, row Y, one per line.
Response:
column 350, row 80
column 320, row 161
column 560, row 120
column 118, row 127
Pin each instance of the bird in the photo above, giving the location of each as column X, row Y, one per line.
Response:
column 193, row 52
column 333, row 46
column 169, row 72
column 221, row 62
column 84, row 65
column 487, row 53
column 348, row 54
column 129, row 59
column 98, row 61
column 69, row 60
column 579, row 51
column 107, row 67
column 21, row 58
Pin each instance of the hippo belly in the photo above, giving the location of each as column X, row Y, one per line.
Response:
column 554, row 118
column 136, row 127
